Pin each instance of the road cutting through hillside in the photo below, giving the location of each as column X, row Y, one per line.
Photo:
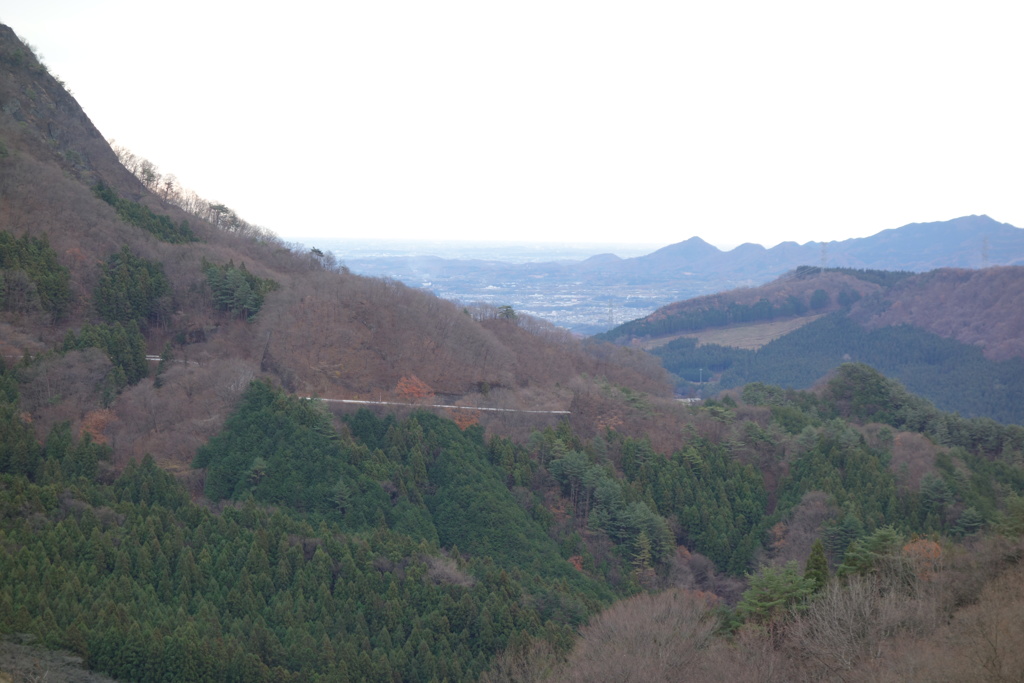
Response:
column 437, row 405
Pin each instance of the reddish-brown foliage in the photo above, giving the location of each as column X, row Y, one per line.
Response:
column 980, row 307
column 925, row 555
column 95, row 424
column 464, row 418
column 412, row 388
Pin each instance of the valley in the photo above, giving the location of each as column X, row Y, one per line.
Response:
column 534, row 279
column 590, row 293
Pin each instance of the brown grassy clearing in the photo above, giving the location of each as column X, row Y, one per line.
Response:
column 738, row 336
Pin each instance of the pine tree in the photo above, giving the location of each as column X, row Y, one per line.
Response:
column 816, row 568
column 642, row 569
column 839, row 537
column 774, row 593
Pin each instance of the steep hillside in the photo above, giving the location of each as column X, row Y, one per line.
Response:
column 316, row 329
column 43, row 120
column 982, row 308
column 412, row 549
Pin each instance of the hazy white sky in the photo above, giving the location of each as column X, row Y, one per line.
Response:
column 559, row 120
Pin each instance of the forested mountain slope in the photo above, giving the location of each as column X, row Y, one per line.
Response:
column 100, row 268
column 105, row 269
column 951, row 335
column 413, row 549
column 982, row 308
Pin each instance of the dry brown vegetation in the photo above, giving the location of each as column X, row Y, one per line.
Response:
column 791, row 539
column 644, row 639
column 976, row 307
column 324, row 332
column 979, row 307
column 913, row 457
column 962, row 619
column 739, row 336
column 21, row 663
column 774, row 292
column 666, row 632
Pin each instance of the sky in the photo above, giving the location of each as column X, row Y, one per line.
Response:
column 551, row 120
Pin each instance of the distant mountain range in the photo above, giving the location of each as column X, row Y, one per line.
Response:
column 966, row 242
column 595, row 294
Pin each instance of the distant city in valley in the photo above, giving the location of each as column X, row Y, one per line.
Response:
column 509, row 252
column 472, row 272
column 591, row 288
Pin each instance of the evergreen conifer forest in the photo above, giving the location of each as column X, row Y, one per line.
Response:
column 408, row 548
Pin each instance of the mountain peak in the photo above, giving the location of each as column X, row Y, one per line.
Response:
column 690, row 248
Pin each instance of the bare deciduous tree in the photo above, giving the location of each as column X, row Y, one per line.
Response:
column 848, row 623
column 646, row 638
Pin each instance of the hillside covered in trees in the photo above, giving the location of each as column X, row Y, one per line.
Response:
column 953, row 336
column 359, row 547
column 129, row 264
column 223, row 457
